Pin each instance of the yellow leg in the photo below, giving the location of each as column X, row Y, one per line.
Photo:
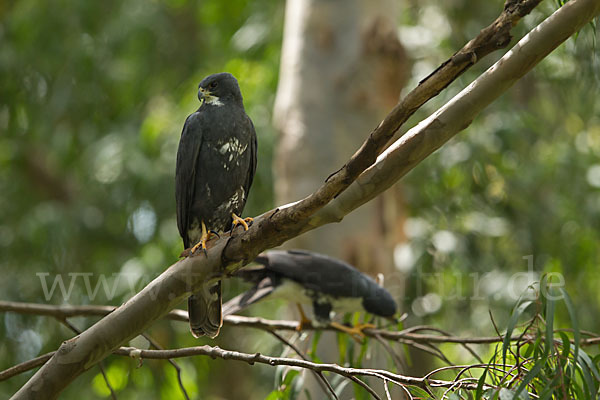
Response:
column 203, row 239
column 240, row 221
column 304, row 320
column 355, row 331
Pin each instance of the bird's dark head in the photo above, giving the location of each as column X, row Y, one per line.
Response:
column 219, row 89
column 380, row 302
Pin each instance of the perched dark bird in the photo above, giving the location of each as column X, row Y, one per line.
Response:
column 326, row 283
column 216, row 161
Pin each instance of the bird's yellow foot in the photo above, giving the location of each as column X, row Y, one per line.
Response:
column 206, row 236
column 355, row 331
column 304, row 322
column 240, row 221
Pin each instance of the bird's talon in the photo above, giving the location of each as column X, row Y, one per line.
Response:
column 203, row 240
column 355, row 331
column 304, row 322
column 240, row 221
column 200, row 245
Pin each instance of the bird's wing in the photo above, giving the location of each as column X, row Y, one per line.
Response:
column 318, row 272
column 331, row 276
column 264, row 288
column 185, row 172
column 253, row 151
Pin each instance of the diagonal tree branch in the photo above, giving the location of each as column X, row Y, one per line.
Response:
column 273, row 228
column 430, row 134
column 72, row 327
column 494, row 37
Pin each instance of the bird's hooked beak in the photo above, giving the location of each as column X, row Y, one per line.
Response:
column 206, row 96
column 202, row 93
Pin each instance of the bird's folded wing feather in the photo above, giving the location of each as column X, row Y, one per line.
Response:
column 187, row 160
column 253, row 151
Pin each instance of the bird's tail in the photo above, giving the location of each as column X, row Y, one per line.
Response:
column 204, row 309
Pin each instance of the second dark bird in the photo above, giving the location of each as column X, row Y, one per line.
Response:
column 216, row 162
column 327, row 284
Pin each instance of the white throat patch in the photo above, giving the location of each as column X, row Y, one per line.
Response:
column 212, row 100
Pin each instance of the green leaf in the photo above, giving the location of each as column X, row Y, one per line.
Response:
column 418, row 393
column 480, row 383
column 315, row 342
column 578, row 391
column 407, row 356
column 550, row 388
column 537, row 346
column 274, row 395
column 294, row 383
column 528, row 350
column 363, row 351
column 360, row 393
column 531, row 375
column 511, row 326
column 340, row 386
column 588, row 371
column 586, row 359
column 566, row 345
column 574, row 324
column 342, row 342
column 279, row 371
column 550, row 309
column 290, row 376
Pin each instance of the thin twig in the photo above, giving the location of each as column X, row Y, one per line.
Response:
column 216, row 352
column 62, row 311
column 113, row 395
column 157, row 346
column 405, row 336
column 25, row 366
column 446, row 334
column 323, row 382
column 387, row 390
column 364, row 385
column 429, row 348
column 395, row 357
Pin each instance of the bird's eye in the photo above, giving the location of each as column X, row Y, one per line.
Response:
column 212, row 85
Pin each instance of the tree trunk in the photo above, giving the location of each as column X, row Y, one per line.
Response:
column 342, row 69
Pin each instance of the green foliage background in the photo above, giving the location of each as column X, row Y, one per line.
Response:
column 93, row 96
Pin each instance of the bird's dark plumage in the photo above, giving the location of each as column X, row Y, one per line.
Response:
column 328, row 283
column 216, row 162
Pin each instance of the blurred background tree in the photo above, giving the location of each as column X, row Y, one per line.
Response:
column 93, row 96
